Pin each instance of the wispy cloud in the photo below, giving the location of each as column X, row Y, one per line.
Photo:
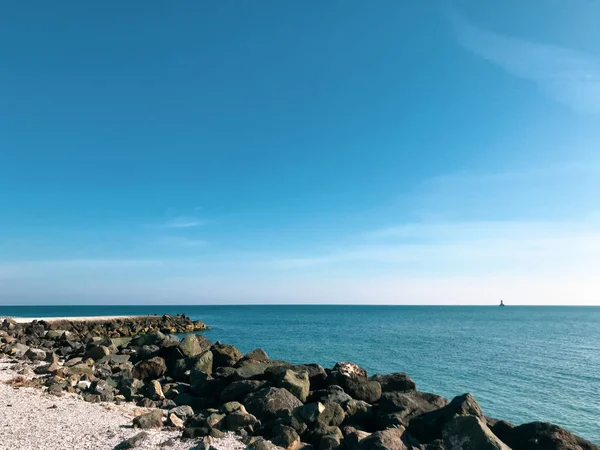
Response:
column 567, row 75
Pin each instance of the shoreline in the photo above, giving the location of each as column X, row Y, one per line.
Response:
column 207, row 389
column 23, row 320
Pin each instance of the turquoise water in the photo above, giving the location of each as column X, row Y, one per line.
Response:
column 521, row 363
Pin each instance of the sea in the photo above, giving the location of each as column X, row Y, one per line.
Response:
column 522, row 363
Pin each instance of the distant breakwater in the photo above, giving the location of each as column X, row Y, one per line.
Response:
column 206, row 388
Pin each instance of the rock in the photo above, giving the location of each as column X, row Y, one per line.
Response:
column 395, row 382
column 399, row 408
column 230, row 407
column 81, row 369
column 358, row 413
column 133, row 442
column 148, row 351
column 471, row 433
column 225, row 355
column 203, row 362
column 184, row 411
column 315, row 434
column 428, row 426
column 343, row 371
column 541, row 436
column 257, row 370
column 215, row 420
column 253, row 356
column 97, row 352
column 316, row 375
column 153, row 338
column 239, row 419
column 353, row 437
column 333, row 394
column 176, row 421
column 237, row 390
column 310, row 412
column 368, row 391
column 285, row 437
column 262, row 444
column 330, row 442
column 35, row 354
column 270, row 403
column 332, row 415
column 150, row 369
column 154, row 390
column 390, row 439
column 296, row 382
column 192, row 345
column 201, row 383
column 17, row 349
column 195, row 432
column 151, row 420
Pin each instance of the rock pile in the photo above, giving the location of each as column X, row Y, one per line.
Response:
column 206, row 389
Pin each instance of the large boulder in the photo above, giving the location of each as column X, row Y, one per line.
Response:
column 471, row 433
column 541, row 436
column 150, row 369
column 237, row 390
column 333, row 394
column 428, row 426
column 271, row 403
column 296, row 382
column 225, row 355
column 395, row 382
column 354, row 380
column 203, row 362
column 399, row 408
column 194, row 344
column 257, row 355
column 153, row 338
column 285, row 437
column 310, row 412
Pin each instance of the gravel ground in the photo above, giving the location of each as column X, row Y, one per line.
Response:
column 31, row 419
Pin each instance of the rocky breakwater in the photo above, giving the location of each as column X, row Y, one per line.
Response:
column 206, row 389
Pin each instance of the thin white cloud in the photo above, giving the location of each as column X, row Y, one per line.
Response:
column 568, row 76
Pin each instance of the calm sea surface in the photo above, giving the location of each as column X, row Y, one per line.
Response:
column 521, row 363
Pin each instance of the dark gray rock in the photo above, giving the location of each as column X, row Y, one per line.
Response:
column 428, row 426
column 471, row 433
column 541, row 436
column 395, row 382
column 225, row 355
column 270, row 403
column 390, row 439
column 237, row 390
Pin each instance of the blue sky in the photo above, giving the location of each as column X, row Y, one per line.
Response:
column 290, row 152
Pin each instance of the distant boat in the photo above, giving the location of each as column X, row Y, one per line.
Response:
column 502, row 303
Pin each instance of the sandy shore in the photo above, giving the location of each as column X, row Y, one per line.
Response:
column 31, row 419
column 73, row 319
